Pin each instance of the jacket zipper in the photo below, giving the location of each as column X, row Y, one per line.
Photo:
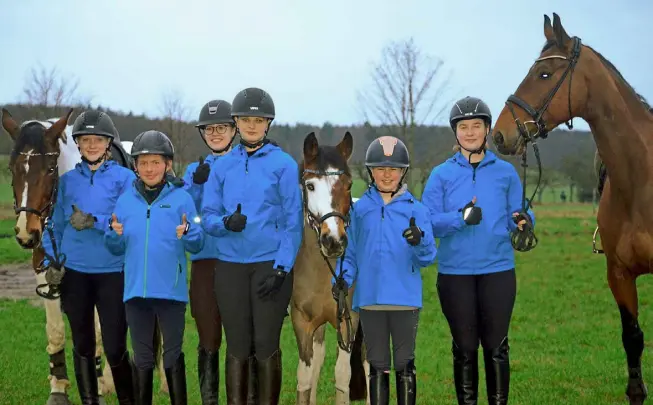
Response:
column 147, row 240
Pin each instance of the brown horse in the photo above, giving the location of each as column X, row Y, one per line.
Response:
column 573, row 80
column 326, row 183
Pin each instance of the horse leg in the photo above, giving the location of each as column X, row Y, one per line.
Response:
column 624, row 289
column 56, row 332
column 159, row 359
column 318, row 360
column 104, row 377
column 343, row 375
column 304, row 337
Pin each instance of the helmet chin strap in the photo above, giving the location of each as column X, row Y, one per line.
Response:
column 477, row 151
column 98, row 160
column 218, row 151
column 256, row 144
column 399, row 185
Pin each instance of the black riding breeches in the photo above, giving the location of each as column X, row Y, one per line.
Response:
column 245, row 316
column 80, row 294
column 379, row 327
column 141, row 316
column 478, row 307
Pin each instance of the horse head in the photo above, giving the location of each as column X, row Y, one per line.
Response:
column 34, row 166
column 326, row 182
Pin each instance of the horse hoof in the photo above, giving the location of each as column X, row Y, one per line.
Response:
column 636, row 392
column 101, row 400
column 304, row 397
column 58, row 398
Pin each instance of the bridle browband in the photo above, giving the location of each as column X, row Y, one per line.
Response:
column 527, row 242
column 342, row 309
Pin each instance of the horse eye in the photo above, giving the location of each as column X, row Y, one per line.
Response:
column 545, row 75
column 310, row 187
column 51, row 170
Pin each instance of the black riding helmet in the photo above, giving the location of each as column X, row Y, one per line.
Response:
column 153, row 143
column 253, row 102
column 93, row 122
column 469, row 108
column 215, row 112
column 387, row 151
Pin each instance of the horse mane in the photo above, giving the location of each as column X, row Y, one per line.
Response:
column 32, row 134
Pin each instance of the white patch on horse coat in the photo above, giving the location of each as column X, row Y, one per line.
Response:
column 308, row 376
column 23, row 235
column 320, row 200
column 343, row 376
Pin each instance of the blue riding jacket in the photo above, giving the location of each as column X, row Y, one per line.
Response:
column 95, row 193
column 474, row 249
column 266, row 184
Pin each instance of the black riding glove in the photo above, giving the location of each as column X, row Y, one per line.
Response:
column 201, row 174
column 271, row 285
column 339, row 285
column 413, row 234
column 471, row 214
column 235, row 222
column 81, row 220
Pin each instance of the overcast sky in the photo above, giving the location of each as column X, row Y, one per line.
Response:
column 311, row 56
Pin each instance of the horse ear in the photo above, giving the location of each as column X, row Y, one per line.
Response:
column 58, row 129
column 548, row 29
column 560, row 34
column 310, row 147
column 346, row 146
column 8, row 123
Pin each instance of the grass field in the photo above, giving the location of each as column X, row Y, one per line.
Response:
column 565, row 335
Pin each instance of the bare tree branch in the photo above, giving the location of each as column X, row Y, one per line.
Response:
column 407, row 89
column 175, row 115
column 50, row 88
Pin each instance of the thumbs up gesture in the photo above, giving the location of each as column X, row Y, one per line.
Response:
column 235, row 222
column 201, row 174
column 413, row 234
column 115, row 225
column 183, row 228
column 81, row 220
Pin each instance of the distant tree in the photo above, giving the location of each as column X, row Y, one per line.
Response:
column 408, row 89
column 49, row 88
column 175, row 115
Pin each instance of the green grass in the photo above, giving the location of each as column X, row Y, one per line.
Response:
column 565, row 335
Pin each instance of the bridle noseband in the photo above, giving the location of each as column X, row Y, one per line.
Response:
column 342, row 309
column 525, row 241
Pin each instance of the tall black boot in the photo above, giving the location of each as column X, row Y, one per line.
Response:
column 236, row 380
column 269, row 379
column 176, row 378
column 86, row 379
column 497, row 373
column 252, row 381
column 407, row 385
column 379, row 387
column 143, row 379
column 123, row 381
column 208, row 371
column 465, row 375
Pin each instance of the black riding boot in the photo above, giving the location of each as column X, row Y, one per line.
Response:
column 497, row 373
column 143, row 383
column 176, row 378
column 208, row 371
column 252, row 381
column 465, row 375
column 379, row 387
column 86, row 379
column 407, row 385
column 236, row 380
column 269, row 379
column 123, row 379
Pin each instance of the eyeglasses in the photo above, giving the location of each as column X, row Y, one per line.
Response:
column 217, row 129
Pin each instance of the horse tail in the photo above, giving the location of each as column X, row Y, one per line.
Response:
column 156, row 343
column 358, row 381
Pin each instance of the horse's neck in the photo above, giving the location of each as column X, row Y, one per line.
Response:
column 68, row 156
column 621, row 127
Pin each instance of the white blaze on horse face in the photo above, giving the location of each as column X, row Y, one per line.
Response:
column 23, row 235
column 320, row 200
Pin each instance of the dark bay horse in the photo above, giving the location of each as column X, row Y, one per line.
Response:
column 326, row 183
column 570, row 80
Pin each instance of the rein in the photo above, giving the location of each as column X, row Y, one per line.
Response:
column 342, row 308
column 525, row 241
